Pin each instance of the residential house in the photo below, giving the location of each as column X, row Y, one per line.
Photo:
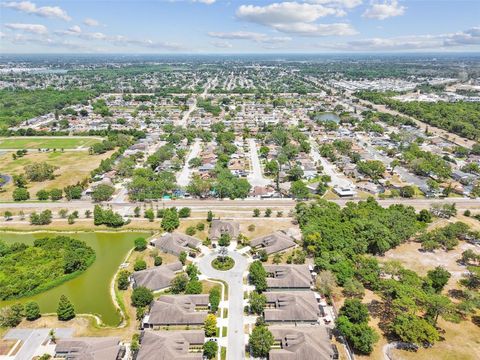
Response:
column 174, row 243
column 91, row 348
column 157, row 278
column 177, row 310
column 272, row 243
column 302, row 342
column 219, row 227
column 288, row 277
column 293, row 306
column 170, row 345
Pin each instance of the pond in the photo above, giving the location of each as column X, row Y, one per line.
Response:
column 328, row 116
column 90, row 291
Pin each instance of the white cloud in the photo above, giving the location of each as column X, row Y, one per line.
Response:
column 285, row 12
column 470, row 37
column 2, row 35
column 91, row 22
column 467, row 37
column 118, row 40
column 207, row 2
column 247, row 35
column 44, row 11
column 221, row 44
column 47, row 42
column 382, row 11
column 299, row 18
column 305, row 29
column 30, row 28
column 75, row 29
column 150, row 44
column 349, row 4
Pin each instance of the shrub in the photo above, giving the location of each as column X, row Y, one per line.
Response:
column 139, row 265
column 157, row 260
column 150, row 215
column 42, row 195
column 20, row 194
column 184, row 212
column 210, row 325
column 214, row 298
column 190, row 230
column 182, row 257
column 32, row 311
column 56, row 194
column 123, row 282
column 140, row 244
column 194, row 287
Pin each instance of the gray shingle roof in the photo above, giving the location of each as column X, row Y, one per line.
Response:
column 288, row 276
column 274, row 242
column 300, row 343
column 300, row 306
column 157, row 278
column 175, row 243
column 219, row 227
column 89, row 348
column 170, row 345
column 178, row 310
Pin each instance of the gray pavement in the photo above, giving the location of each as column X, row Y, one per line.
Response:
column 234, row 279
column 338, row 179
column 256, row 176
column 215, row 204
column 32, row 339
column 183, row 177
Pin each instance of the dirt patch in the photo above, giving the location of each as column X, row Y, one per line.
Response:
column 462, row 342
column 6, row 346
column 410, row 255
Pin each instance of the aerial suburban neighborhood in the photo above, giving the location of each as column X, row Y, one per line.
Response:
column 270, row 201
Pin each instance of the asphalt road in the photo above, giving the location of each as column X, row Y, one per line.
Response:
column 338, row 179
column 183, row 177
column 234, row 279
column 213, row 204
column 256, row 177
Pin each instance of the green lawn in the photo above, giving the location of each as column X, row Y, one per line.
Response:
column 47, row 142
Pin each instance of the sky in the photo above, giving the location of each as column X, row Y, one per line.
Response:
column 239, row 26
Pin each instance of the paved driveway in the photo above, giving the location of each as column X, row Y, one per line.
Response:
column 234, row 279
column 32, row 339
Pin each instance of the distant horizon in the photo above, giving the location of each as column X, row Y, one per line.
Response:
column 170, row 54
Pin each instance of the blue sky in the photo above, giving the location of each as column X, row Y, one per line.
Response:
column 238, row 26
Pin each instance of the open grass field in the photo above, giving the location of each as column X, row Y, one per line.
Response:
column 412, row 258
column 46, row 142
column 72, row 167
column 460, row 341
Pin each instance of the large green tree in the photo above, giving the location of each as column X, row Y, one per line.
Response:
column 260, row 342
column 65, row 309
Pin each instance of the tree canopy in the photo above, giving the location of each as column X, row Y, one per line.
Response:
column 30, row 269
